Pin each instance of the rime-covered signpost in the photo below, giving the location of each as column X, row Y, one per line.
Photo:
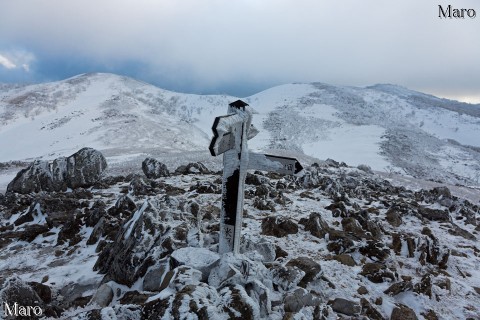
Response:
column 230, row 135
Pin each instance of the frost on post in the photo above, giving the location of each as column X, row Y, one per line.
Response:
column 230, row 136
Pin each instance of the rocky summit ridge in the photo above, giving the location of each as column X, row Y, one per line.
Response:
column 338, row 242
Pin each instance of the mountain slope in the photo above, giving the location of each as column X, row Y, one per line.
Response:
column 387, row 127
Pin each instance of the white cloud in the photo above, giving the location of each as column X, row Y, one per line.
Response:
column 16, row 59
column 6, row 63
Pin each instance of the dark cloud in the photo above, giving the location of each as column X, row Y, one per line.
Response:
column 240, row 47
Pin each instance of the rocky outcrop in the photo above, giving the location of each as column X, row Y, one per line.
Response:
column 82, row 169
column 154, row 169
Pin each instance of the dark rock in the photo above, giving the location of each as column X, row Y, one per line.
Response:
column 193, row 168
column 351, row 225
column 134, row 297
column 459, row 232
column 42, row 290
column 311, row 268
column 424, row 286
column 256, row 180
column 278, row 226
column 154, row 169
column 264, row 205
column 432, row 252
column 70, row 232
column 29, row 215
column 262, row 191
column 396, row 243
column 287, row 277
column 315, row 225
column 32, row 231
column 430, row 315
column 370, row 311
column 362, row 290
column 17, row 291
column 345, row 259
column 338, row 209
column 375, row 251
column 347, row 307
column 402, row 312
column 34, row 178
column 393, row 217
column 238, row 307
column 138, row 186
column 153, row 278
column 95, row 213
column 298, row 299
column 445, row 284
column 84, row 168
column 103, row 296
column 280, row 253
column 204, row 187
column 399, row 287
column 434, row 214
column 377, row 272
column 129, row 256
column 339, row 241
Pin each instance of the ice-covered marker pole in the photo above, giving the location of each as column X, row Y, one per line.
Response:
column 230, row 136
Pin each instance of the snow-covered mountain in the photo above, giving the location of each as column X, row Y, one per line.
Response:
column 387, row 127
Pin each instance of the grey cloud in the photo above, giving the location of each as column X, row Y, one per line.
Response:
column 207, row 43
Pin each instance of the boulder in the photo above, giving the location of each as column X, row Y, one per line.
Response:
column 347, row 307
column 82, row 169
column 201, row 259
column 287, row 277
column 103, row 296
column 393, row 217
column 298, row 299
column 138, row 240
column 15, row 291
column 311, row 268
column 35, row 178
column 278, row 226
column 377, row 272
column 154, row 277
column 316, row 225
column 402, row 312
column 154, row 169
column 193, row 168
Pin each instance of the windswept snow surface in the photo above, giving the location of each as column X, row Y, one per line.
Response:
column 386, row 127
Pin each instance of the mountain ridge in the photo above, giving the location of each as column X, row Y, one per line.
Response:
column 387, row 127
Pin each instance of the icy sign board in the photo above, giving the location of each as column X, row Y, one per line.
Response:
column 230, row 136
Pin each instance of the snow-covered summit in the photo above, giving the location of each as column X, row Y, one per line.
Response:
column 387, row 127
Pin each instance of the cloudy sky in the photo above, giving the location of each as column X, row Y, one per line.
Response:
column 241, row 47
